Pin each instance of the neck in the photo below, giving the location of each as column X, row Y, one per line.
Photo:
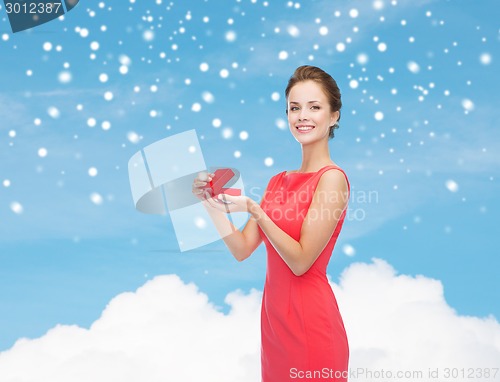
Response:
column 315, row 156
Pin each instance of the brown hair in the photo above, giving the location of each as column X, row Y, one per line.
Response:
column 332, row 91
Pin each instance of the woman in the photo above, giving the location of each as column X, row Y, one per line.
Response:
column 299, row 220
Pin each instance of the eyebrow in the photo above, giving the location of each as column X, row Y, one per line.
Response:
column 307, row 102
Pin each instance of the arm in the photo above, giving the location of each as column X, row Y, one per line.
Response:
column 328, row 203
column 242, row 243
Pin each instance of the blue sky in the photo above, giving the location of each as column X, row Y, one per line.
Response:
column 79, row 96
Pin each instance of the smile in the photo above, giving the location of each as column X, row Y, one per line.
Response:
column 305, row 128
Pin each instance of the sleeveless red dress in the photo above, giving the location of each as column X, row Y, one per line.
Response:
column 303, row 335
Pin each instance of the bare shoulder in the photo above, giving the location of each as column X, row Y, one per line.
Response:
column 333, row 178
column 332, row 187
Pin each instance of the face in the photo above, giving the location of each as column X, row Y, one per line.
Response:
column 309, row 113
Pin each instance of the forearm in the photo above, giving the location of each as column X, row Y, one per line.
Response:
column 288, row 248
column 232, row 236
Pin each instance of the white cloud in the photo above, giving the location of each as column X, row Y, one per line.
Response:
column 165, row 331
column 169, row 331
column 402, row 323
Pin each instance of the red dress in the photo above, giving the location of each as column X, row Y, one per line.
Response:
column 303, row 335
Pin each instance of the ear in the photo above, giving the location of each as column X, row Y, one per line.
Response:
column 334, row 117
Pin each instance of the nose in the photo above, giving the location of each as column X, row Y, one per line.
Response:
column 303, row 114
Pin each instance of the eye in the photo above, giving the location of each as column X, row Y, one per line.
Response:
column 294, row 108
column 315, row 107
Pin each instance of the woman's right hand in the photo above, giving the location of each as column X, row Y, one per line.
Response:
column 199, row 185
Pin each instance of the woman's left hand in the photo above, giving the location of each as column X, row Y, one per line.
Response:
column 229, row 203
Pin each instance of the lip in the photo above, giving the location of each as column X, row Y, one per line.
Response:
column 304, row 131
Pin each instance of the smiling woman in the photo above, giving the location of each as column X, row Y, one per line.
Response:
column 329, row 93
column 301, row 326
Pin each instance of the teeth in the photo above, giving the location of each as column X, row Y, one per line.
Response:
column 305, row 128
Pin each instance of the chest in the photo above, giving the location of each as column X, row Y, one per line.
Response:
column 287, row 203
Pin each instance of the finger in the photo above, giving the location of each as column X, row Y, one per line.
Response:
column 226, row 198
column 201, row 193
column 204, row 178
column 198, row 187
column 225, row 207
column 203, row 175
column 208, row 203
column 228, row 206
column 218, row 206
column 199, row 183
